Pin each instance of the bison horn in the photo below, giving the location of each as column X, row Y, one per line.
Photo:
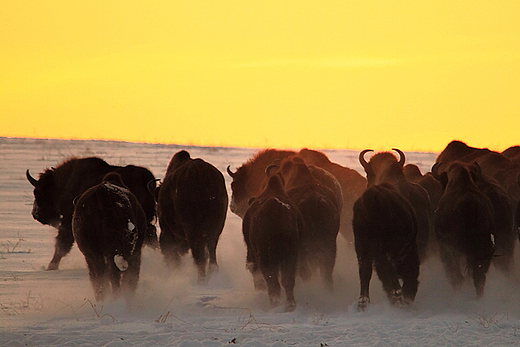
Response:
column 230, row 173
column 402, row 157
column 362, row 157
column 31, row 179
column 270, row 168
column 151, row 185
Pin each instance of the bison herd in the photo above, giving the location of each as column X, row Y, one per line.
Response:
column 293, row 205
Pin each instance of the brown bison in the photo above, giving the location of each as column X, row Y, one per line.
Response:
column 504, row 167
column 427, row 181
column 464, row 225
column 249, row 180
column 191, row 206
column 384, row 167
column 109, row 227
column 56, row 189
column 496, row 175
column 271, row 228
column 385, row 230
column 503, row 234
column 320, row 207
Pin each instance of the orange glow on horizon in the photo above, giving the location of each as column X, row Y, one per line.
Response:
column 343, row 75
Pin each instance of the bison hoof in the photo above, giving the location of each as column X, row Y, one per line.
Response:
column 396, row 298
column 363, row 302
column 290, row 306
column 52, row 266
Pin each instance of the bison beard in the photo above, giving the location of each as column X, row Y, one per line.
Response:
column 109, row 226
column 384, row 235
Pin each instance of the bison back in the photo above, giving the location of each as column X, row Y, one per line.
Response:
column 382, row 217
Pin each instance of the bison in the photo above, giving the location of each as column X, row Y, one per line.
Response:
column 249, row 180
column 56, row 189
column 504, row 236
column 496, row 175
column 384, row 167
column 109, row 225
column 192, row 203
column 427, row 181
column 504, row 167
column 320, row 206
column 271, row 226
column 385, row 230
column 464, row 225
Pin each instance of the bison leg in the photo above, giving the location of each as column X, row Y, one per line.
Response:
column 150, row 237
column 115, row 277
column 365, row 260
column 409, row 272
column 451, row 260
column 479, row 269
column 98, row 276
column 258, row 278
column 212, row 251
column 390, row 279
column 304, row 270
column 200, row 256
column 273, row 285
column 131, row 277
column 365, row 274
column 327, row 262
column 288, row 271
column 170, row 249
column 63, row 244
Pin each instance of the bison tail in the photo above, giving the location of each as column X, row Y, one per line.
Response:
column 120, row 262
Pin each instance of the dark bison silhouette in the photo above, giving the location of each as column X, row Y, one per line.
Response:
column 496, row 175
column 271, row 228
column 249, row 180
column 385, row 231
column 504, row 167
column 56, row 189
column 192, row 204
column 427, row 181
column 464, row 225
column 384, row 167
column 320, row 206
column 109, row 227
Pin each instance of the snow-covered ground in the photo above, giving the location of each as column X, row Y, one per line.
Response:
column 57, row 308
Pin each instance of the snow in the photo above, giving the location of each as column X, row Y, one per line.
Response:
column 57, row 308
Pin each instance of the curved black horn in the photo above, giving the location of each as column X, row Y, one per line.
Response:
column 31, row 179
column 151, row 184
column 230, row 173
column 270, row 168
column 402, row 157
column 362, row 157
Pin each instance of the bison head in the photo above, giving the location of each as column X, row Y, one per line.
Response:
column 45, row 207
column 240, row 193
column 382, row 166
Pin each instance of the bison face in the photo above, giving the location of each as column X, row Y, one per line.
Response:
column 45, row 208
column 241, row 188
column 239, row 199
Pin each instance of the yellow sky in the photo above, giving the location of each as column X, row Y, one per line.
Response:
column 334, row 74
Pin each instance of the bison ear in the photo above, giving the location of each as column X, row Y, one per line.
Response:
column 251, row 201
